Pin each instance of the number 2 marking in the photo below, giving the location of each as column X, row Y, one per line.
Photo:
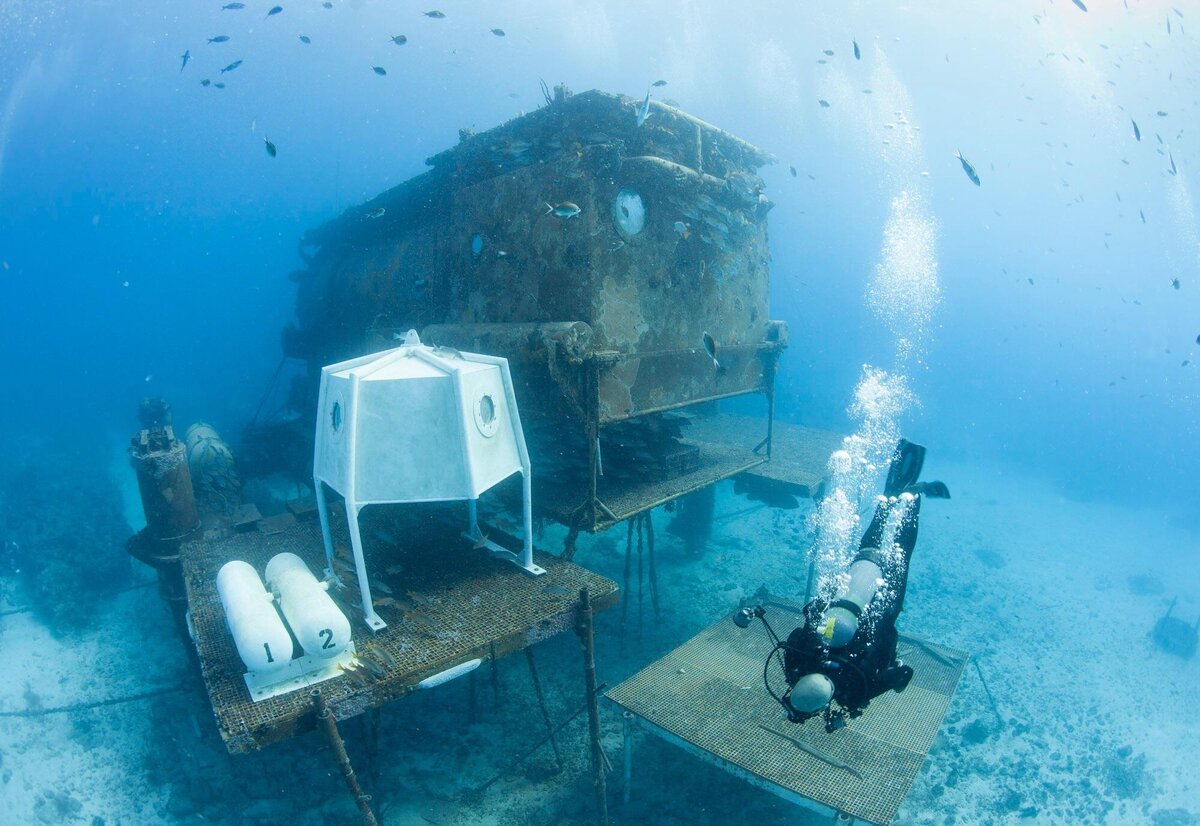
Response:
column 327, row 633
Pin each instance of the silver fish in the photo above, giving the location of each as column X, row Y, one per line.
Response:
column 377, row 213
column 710, row 347
column 968, row 168
column 564, row 210
column 643, row 111
column 185, row 57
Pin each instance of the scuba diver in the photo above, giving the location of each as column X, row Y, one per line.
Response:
column 844, row 655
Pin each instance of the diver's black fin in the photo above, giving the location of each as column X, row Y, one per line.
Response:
column 905, row 468
column 930, row 490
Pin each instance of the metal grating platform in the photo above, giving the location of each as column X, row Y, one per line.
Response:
column 630, row 497
column 708, row 696
column 450, row 603
column 799, row 454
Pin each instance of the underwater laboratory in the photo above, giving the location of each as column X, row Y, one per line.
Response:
column 477, row 377
column 531, row 493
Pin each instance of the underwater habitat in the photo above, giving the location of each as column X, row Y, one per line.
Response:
column 527, row 412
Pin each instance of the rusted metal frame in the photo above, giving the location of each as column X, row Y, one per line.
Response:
column 757, row 154
column 329, row 725
column 640, row 520
column 767, row 349
column 587, row 641
column 600, row 526
column 592, row 434
column 770, row 369
column 541, row 699
column 564, row 382
column 625, row 581
column 653, row 570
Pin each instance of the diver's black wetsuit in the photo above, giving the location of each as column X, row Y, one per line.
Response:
column 866, row 666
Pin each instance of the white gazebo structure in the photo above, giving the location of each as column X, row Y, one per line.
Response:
column 418, row 424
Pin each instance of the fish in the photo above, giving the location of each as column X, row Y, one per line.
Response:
column 435, row 14
column 274, row 11
column 1143, row 214
column 206, row 82
column 682, row 229
column 185, row 57
column 792, row 169
column 616, row 245
column 379, row 70
column 824, row 103
column 233, row 6
column 1079, row 3
column 1161, row 113
column 968, row 168
column 327, row 5
column 1137, row 133
column 813, row 750
column 1172, row 170
column 710, row 347
column 659, row 83
column 231, row 66
column 555, row 590
column 1168, row 25
column 1197, row 337
column 857, row 53
column 564, row 210
column 376, row 213
column 270, row 147
column 221, row 38
column 643, row 111
column 498, row 32
column 218, row 85
column 1175, row 283
column 399, row 39
column 305, row 39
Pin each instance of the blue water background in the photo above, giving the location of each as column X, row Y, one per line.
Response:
column 116, row 168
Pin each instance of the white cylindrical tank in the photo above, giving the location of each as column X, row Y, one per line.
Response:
column 262, row 640
column 317, row 622
column 840, row 624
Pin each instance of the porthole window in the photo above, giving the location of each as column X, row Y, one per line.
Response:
column 486, row 415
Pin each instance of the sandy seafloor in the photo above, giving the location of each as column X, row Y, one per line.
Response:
column 1099, row 726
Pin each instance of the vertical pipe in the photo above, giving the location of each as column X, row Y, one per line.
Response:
column 495, row 664
column 329, row 725
column 326, row 533
column 653, row 571
column 625, row 583
column 473, row 518
column 587, row 640
column 628, row 746
column 773, row 367
column 592, row 433
column 541, row 698
column 641, row 612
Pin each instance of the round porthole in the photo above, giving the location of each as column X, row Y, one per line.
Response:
column 335, row 416
column 486, row 415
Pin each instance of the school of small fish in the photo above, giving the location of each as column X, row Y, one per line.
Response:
column 381, row 71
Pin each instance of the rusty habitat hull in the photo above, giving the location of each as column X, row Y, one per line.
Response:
column 601, row 313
